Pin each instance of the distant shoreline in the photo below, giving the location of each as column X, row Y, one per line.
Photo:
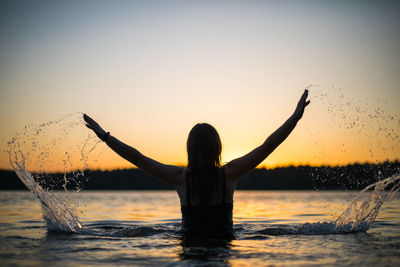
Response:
column 349, row 177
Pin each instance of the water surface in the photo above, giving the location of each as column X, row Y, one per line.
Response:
column 143, row 228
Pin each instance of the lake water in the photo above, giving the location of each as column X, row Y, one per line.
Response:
column 143, row 228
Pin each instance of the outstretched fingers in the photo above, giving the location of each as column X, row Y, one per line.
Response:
column 303, row 99
column 88, row 119
column 305, row 95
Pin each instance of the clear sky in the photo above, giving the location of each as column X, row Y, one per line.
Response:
column 147, row 71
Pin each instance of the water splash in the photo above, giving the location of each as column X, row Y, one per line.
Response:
column 364, row 209
column 41, row 148
column 57, row 214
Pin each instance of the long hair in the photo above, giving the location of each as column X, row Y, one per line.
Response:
column 204, row 156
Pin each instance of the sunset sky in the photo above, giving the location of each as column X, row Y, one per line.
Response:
column 148, row 71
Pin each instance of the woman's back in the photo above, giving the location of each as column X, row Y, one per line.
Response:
column 206, row 211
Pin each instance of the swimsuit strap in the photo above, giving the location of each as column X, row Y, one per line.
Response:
column 223, row 186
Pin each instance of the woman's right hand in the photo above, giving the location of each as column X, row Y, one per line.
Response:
column 95, row 127
column 303, row 103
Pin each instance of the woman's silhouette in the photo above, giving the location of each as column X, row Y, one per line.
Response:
column 205, row 188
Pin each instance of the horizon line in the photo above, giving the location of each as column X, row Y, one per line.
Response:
column 267, row 167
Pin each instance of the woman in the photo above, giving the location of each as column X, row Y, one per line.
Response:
column 205, row 188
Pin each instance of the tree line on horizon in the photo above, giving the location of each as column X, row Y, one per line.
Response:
column 350, row 177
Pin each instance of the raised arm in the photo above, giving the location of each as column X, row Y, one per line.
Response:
column 237, row 167
column 168, row 173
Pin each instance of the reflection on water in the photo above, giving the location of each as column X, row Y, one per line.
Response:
column 142, row 229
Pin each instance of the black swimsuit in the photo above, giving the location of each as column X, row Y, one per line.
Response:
column 207, row 221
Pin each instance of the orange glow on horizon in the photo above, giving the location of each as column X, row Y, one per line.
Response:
column 68, row 145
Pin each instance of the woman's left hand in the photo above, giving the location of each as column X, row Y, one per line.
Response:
column 95, row 127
